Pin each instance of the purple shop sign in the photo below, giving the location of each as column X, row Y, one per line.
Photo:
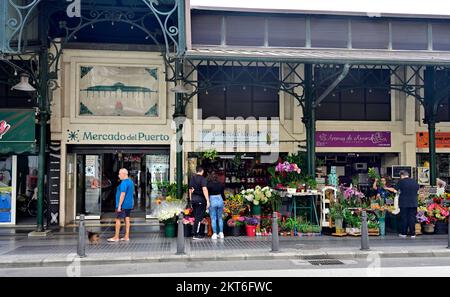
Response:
column 353, row 139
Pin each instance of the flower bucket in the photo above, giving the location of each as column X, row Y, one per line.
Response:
column 251, row 230
column 418, row 229
column 428, row 228
column 256, row 209
column 169, row 229
column 339, row 222
column 441, row 227
column 236, row 231
column 187, row 230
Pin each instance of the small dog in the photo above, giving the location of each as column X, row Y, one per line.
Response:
column 94, row 238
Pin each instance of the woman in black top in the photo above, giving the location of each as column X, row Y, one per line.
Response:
column 198, row 193
column 216, row 192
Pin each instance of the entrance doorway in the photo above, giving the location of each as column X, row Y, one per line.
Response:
column 97, row 181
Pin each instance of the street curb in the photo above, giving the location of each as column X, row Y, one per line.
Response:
column 298, row 255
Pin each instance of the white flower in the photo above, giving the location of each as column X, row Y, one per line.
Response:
column 256, row 202
column 250, row 197
column 269, row 194
column 266, row 188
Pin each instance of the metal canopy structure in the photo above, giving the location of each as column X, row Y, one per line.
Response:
column 57, row 23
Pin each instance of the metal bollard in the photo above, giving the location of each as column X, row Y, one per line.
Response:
column 448, row 246
column 364, row 233
column 81, row 250
column 275, row 237
column 180, row 238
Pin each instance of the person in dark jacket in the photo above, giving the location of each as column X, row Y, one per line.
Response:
column 199, row 196
column 408, row 203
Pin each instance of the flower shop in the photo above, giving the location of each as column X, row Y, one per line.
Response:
column 305, row 205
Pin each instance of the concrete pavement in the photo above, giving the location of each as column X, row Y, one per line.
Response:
column 148, row 245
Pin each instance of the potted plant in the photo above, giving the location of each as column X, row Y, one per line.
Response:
column 336, row 213
column 167, row 212
column 292, row 187
column 236, row 225
column 291, row 226
column 234, row 204
column 250, row 226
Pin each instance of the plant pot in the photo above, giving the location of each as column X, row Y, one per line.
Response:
column 169, row 229
column 251, row 230
column 428, row 228
column 236, row 231
column 441, row 228
column 338, row 222
column 187, row 230
column 256, row 209
column 291, row 190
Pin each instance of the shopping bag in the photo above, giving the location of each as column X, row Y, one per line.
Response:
column 396, row 208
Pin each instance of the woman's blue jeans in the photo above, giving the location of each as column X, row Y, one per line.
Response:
column 215, row 211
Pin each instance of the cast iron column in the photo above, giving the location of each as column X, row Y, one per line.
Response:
column 179, row 117
column 43, row 112
column 309, row 119
column 430, row 119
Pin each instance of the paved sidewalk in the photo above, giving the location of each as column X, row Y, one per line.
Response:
column 148, row 245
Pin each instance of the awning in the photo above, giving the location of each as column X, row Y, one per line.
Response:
column 17, row 131
column 331, row 56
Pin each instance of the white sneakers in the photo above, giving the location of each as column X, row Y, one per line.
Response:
column 214, row 236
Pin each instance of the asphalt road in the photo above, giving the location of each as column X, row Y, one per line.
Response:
column 430, row 266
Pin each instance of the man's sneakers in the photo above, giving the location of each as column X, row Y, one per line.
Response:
column 221, row 236
column 197, row 238
column 413, row 236
column 402, row 235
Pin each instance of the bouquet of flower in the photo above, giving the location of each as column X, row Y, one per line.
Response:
column 257, row 195
column 251, row 221
column 188, row 220
column 437, row 212
column 421, row 216
column 233, row 204
column 236, row 223
column 166, row 212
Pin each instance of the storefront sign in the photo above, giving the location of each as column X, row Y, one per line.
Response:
column 442, row 139
column 353, row 139
column 17, row 131
column 74, row 136
column 54, row 181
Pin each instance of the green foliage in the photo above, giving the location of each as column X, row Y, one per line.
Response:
column 209, row 155
column 170, row 189
column 290, row 224
column 373, row 175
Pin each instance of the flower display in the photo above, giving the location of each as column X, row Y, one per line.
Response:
column 236, row 223
column 166, row 212
column 257, row 195
column 352, row 192
column 251, row 221
column 233, row 204
column 287, row 167
column 188, row 220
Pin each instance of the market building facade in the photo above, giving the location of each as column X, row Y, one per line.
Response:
column 348, row 90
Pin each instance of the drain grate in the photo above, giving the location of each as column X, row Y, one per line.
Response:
column 325, row 262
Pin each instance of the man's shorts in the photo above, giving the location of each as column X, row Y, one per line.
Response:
column 125, row 213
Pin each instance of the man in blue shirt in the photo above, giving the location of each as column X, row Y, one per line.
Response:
column 124, row 205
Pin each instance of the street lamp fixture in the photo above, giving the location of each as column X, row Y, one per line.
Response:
column 24, row 84
column 179, row 88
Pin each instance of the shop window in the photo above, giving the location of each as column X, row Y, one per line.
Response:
column 245, row 30
column 441, row 38
column 363, row 96
column 442, row 79
column 331, row 33
column 370, row 34
column 206, row 29
column 281, row 32
column 245, row 99
column 409, row 35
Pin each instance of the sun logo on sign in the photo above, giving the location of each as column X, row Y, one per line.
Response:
column 73, row 135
